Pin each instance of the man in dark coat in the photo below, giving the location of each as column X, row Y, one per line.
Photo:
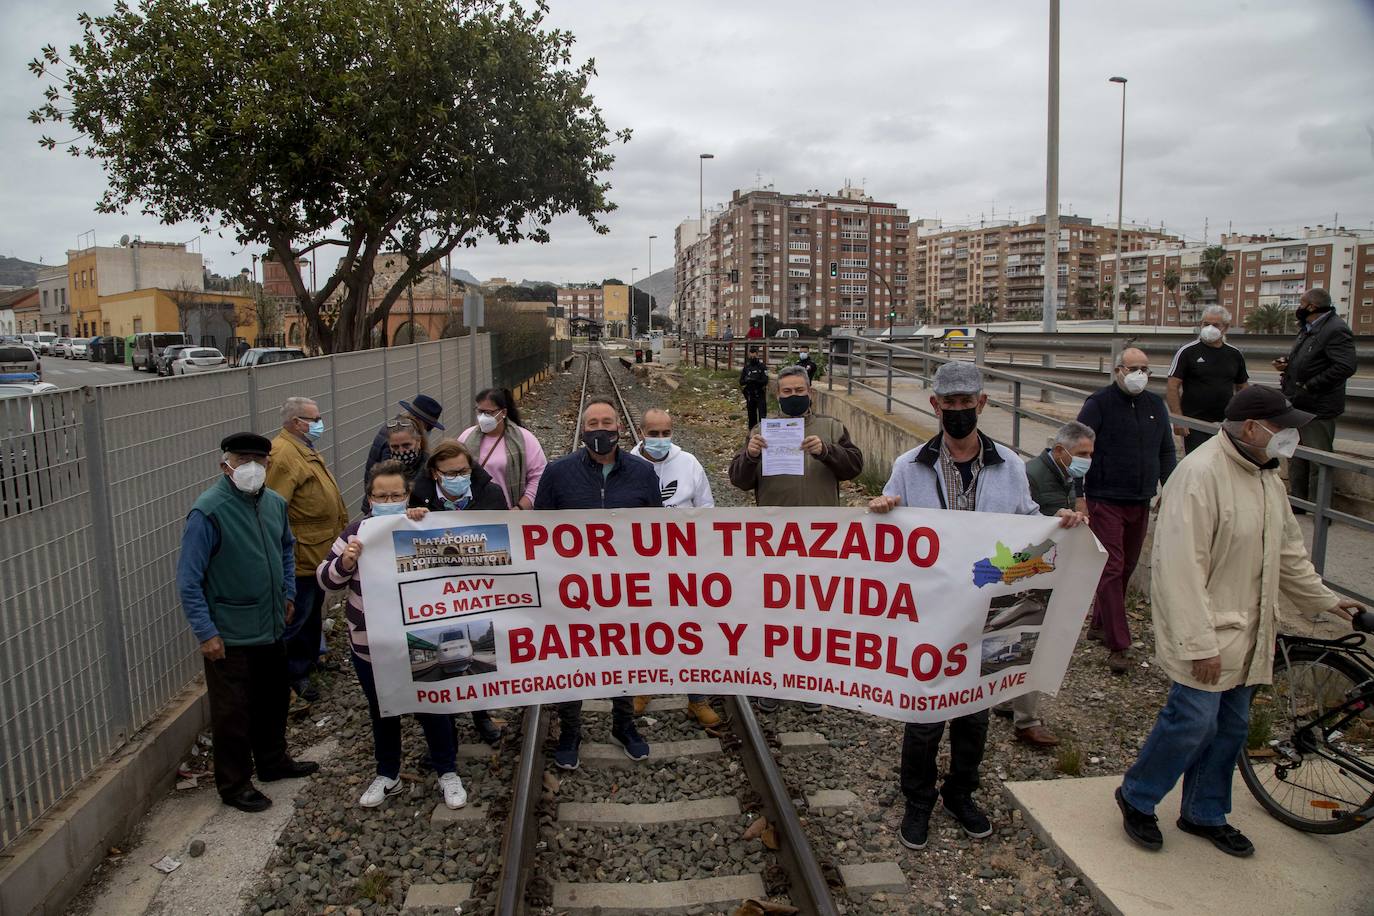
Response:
column 1313, row 376
column 239, row 616
column 753, row 381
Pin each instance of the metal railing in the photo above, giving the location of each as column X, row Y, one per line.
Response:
column 94, row 487
column 873, row 365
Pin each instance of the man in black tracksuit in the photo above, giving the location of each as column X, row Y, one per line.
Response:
column 753, row 379
column 600, row 476
column 1313, row 375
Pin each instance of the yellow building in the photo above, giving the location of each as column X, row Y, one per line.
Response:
column 206, row 316
column 85, row 301
column 615, row 303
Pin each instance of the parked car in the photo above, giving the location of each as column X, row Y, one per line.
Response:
column 163, row 360
column 62, row 347
column 80, row 347
column 45, row 341
column 261, row 356
column 147, row 344
column 198, row 359
column 20, row 363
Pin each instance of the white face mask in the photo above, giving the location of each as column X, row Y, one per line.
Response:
column 1135, row 382
column 486, row 422
column 249, row 477
column 1282, row 444
column 1209, row 334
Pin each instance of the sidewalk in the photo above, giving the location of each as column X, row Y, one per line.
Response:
column 1291, row 871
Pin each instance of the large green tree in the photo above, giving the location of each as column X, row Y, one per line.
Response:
column 351, row 127
column 1216, row 266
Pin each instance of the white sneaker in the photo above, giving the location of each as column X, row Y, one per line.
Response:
column 455, row 796
column 381, row 788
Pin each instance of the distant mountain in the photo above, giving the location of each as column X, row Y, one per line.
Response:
column 14, row 272
column 660, row 286
column 538, row 283
column 464, row 277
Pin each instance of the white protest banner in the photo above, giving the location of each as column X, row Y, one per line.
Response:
column 917, row 615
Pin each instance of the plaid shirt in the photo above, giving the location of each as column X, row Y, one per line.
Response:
column 956, row 495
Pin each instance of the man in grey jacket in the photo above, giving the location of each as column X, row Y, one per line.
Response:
column 965, row 470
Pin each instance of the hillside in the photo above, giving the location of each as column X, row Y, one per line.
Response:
column 14, row 272
column 660, row 286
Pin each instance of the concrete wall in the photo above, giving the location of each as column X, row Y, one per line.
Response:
column 881, row 437
column 140, row 266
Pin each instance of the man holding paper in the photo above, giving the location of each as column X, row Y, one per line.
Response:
column 816, row 455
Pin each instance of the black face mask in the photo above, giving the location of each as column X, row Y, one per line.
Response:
column 795, row 405
column 958, row 424
column 1301, row 315
column 600, row 441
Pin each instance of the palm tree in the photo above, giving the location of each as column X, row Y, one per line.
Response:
column 1171, row 281
column 1129, row 297
column 1216, row 267
column 991, row 298
column 1193, row 294
column 1104, row 295
column 1268, row 319
column 1084, row 297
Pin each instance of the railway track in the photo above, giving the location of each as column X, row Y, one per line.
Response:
column 610, row 830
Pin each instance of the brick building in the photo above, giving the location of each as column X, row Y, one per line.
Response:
column 582, row 301
column 769, row 253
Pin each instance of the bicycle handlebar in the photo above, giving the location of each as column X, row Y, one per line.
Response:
column 1363, row 621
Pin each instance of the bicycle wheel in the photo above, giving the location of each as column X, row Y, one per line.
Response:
column 1301, row 775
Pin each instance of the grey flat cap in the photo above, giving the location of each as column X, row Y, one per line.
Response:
column 958, row 378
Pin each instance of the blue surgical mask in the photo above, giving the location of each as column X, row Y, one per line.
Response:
column 658, row 447
column 1078, row 467
column 455, row 487
column 315, row 431
column 388, row 508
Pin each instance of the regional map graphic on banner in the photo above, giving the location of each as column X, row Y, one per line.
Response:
column 915, row 615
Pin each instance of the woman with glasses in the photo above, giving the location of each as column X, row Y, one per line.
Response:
column 504, row 448
column 453, row 483
column 405, row 444
column 388, row 493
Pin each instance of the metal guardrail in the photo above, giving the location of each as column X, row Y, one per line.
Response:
column 883, row 362
column 94, row 488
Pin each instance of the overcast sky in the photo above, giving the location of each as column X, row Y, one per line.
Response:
column 1257, row 114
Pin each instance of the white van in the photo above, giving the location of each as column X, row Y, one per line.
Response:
column 787, row 334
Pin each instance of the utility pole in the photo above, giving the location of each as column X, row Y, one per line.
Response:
column 1120, row 194
column 1051, row 304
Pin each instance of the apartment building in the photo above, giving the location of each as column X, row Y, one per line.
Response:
column 811, row 259
column 54, row 310
column 133, row 265
column 1266, row 271
column 583, row 301
column 996, row 270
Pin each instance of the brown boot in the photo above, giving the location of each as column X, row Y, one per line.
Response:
column 1037, row 736
column 703, row 713
column 1095, row 634
column 641, row 704
column 1119, row 662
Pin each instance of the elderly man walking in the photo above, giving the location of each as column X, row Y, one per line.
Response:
column 1226, row 549
column 236, row 580
column 298, row 474
column 1204, row 376
column 1133, row 455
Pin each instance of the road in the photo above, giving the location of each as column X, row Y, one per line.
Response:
column 77, row 373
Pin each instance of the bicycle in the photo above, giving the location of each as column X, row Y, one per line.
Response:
column 1309, row 759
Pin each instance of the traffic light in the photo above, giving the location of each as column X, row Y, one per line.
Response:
column 892, row 315
column 834, row 269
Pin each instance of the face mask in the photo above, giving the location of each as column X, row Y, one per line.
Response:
column 315, row 431
column 1282, row 444
column 658, row 448
column 1302, row 315
column 795, row 405
column 455, row 487
column 805, row 354
column 249, row 477
column 388, row 508
column 1135, row 382
column 600, row 441
column 957, row 424
column 1210, row 334
column 486, row 422
column 408, row 460
column 1078, row 467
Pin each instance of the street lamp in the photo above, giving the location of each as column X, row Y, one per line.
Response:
column 634, row 323
column 649, row 305
column 1120, row 193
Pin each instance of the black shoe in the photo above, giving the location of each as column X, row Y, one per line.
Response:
column 1226, row 838
column 249, row 799
column 915, row 829
column 969, row 816
column 1003, row 710
column 487, row 730
column 294, row 769
column 306, row 690
column 1139, row 826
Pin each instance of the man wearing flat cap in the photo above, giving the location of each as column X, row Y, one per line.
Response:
column 236, row 580
column 424, row 410
column 1226, row 548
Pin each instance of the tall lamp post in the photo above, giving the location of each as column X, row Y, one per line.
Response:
column 648, row 306
column 634, row 319
column 701, row 214
column 1120, row 193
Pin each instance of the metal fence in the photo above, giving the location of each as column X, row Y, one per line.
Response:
column 94, row 487
column 875, row 365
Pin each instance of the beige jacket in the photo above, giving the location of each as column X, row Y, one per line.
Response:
column 1226, row 546
column 314, row 506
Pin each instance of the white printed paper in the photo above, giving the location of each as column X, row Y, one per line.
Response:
column 783, row 454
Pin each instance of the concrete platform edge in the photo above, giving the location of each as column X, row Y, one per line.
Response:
column 46, row 867
column 1099, row 897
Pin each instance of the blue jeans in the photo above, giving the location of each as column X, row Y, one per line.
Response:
column 1198, row 735
column 386, row 732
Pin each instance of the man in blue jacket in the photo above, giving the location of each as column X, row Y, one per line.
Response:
column 600, row 476
column 236, row 578
column 1133, row 455
column 959, row 469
